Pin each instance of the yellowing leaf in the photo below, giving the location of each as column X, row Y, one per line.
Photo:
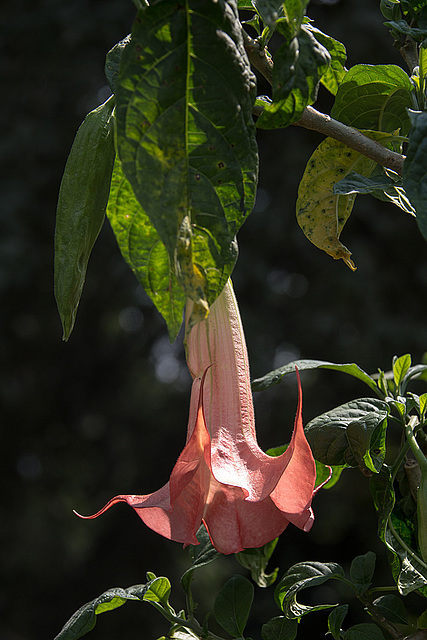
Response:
column 320, row 213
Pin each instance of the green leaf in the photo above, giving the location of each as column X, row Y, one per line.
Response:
column 374, row 97
column 84, row 619
column 256, row 561
column 367, row 439
column 298, row 67
column 299, row 577
column 189, row 151
column 400, row 368
column 422, row 620
column 276, row 376
column 83, row 196
column 269, row 10
column 423, row 404
column 112, row 62
column 143, row 250
column 384, row 184
column 392, row 608
column 294, row 11
column 156, row 590
column 321, row 214
column 335, row 620
column 334, row 74
column 345, row 435
column 409, row 571
column 363, row 631
column 414, row 168
column 361, row 572
column 201, row 555
column 419, row 35
column 279, row 628
column 233, row 604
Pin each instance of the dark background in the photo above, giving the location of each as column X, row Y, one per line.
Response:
column 106, row 412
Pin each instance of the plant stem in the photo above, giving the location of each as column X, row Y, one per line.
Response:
column 419, row 455
column 379, row 619
column 323, row 123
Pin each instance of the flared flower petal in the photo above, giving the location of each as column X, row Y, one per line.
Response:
column 222, row 478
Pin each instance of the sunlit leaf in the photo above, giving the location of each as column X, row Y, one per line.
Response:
column 374, row 97
column 321, row 213
column 299, row 577
column 298, row 67
column 143, row 250
column 274, row 377
column 188, row 150
column 346, row 434
column 400, row 368
column 334, row 74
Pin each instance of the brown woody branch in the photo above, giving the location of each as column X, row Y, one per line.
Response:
column 321, row 122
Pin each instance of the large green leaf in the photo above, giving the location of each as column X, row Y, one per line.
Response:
column 335, row 620
column 187, row 148
column 415, row 168
column 362, row 571
column 301, row 576
column 374, row 97
column 80, row 213
column 144, row 251
column 353, row 433
column 233, row 604
column 274, row 377
column 364, row 631
column 298, row 66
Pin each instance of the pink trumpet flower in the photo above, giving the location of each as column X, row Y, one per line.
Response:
column 222, row 478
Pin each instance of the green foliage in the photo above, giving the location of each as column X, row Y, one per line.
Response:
column 374, row 97
column 414, row 168
column 81, row 207
column 298, row 67
column 256, row 561
column 232, row 605
column 364, row 631
column 335, row 620
column 392, row 608
column 187, row 149
column 155, row 590
column 280, row 628
column 274, row 377
column 300, row 577
column 362, row 571
column 143, row 250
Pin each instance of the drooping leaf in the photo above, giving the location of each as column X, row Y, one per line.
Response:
column 362, row 571
column 415, row 168
column 299, row 577
column 189, row 151
column 374, row 97
column 409, row 571
column 346, row 434
column 335, row 620
column 334, row 74
column 384, row 184
column 298, row 67
column 233, row 604
column 274, row 377
column 280, row 628
column 80, row 213
column 256, row 561
column 392, row 608
column 364, row 631
column 321, row 214
column 143, row 250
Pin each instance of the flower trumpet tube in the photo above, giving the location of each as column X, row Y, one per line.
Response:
column 222, row 478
